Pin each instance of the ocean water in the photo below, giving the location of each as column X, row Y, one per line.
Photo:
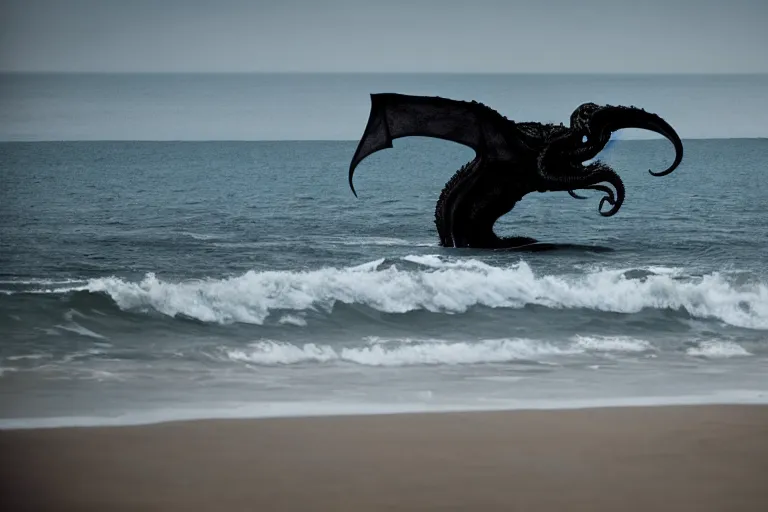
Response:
column 187, row 246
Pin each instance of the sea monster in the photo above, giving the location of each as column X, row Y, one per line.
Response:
column 512, row 159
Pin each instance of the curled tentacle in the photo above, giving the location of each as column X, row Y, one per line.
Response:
column 577, row 179
column 615, row 201
column 609, row 197
column 601, row 188
column 575, row 195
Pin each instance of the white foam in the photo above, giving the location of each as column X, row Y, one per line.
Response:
column 292, row 320
column 271, row 352
column 41, row 281
column 202, row 236
column 26, row 356
column 410, row 353
column 446, row 286
column 718, row 349
column 430, row 260
column 82, row 355
column 369, row 266
column 486, row 351
column 421, row 351
column 56, row 284
column 6, row 369
column 438, row 262
column 612, row 343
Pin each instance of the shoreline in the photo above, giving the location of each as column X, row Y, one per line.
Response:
column 280, row 410
column 676, row 457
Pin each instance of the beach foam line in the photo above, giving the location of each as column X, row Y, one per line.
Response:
column 369, row 408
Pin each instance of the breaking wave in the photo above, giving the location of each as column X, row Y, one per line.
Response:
column 434, row 284
column 409, row 352
column 718, row 349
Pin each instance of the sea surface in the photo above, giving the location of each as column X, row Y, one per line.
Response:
column 187, row 246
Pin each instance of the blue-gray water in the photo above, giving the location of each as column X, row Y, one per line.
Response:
column 164, row 279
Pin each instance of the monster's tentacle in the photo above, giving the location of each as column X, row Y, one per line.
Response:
column 575, row 195
column 601, row 188
column 597, row 172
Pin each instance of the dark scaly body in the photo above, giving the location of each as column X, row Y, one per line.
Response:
column 512, row 159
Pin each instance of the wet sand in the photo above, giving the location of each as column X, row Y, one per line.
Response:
column 692, row 458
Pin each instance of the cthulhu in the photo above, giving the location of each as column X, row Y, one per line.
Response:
column 512, row 159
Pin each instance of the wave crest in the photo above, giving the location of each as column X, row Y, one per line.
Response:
column 412, row 352
column 398, row 352
column 718, row 349
column 437, row 285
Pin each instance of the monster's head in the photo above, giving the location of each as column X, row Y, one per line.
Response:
column 593, row 125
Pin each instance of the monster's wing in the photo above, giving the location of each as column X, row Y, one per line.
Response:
column 469, row 123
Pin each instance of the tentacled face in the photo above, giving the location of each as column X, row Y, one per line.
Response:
column 561, row 163
column 594, row 124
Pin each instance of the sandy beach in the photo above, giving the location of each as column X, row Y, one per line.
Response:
column 697, row 458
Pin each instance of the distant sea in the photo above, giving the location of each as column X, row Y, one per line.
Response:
column 187, row 246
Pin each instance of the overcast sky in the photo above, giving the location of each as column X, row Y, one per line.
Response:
column 703, row 36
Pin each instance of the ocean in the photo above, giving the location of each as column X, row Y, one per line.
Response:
column 187, row 246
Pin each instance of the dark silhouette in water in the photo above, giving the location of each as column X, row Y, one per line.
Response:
column 512, row 159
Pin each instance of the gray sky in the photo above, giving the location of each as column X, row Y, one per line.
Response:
column 687, row 36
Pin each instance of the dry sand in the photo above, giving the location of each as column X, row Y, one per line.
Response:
column 697, row 458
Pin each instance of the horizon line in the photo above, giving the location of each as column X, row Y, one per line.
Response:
column 465, row 73
column 212, row 141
